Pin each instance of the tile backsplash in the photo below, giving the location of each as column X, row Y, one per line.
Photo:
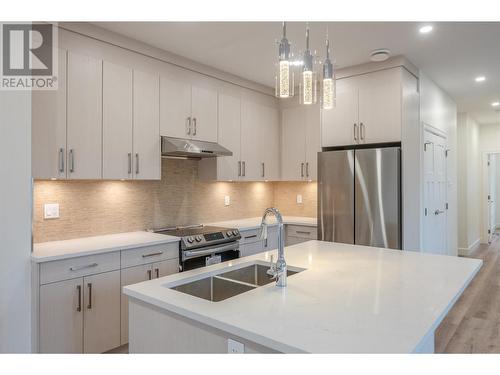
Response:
column 91, row 208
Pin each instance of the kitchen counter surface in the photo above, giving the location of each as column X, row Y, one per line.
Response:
column 350, row 299
column 56, row 250
column 254, row 222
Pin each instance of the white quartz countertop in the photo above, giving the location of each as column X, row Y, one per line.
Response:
column 56, row 250
column 350, row 299
column 254, row 222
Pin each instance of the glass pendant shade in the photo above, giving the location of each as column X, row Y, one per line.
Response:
column 308, row 79
column 284, row 78
column 329, row 84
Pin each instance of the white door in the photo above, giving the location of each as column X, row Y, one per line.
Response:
column 117, row 121
column 48, row 129
column 84, row 105
column 339, row 124
column 269, row 143
column 101, row 318
column 61, row 317
column 204, row 113
column 313, row 141
column 491, row 164
column 146, row 140
column 293, row 153
column 229, row 136
column 251, row 169
column 175, row 108
column 435, row 189
column 380, row 107
column 129, row 276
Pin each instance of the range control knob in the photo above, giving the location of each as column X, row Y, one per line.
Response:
column 229, row 233
column 198, row 238
column 190, row 239
column 235, row 232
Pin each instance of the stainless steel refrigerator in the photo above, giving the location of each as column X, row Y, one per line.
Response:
column 359, row 196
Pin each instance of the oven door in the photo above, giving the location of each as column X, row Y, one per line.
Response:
column 205, row 256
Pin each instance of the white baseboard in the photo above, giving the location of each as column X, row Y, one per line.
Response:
column 466, row 251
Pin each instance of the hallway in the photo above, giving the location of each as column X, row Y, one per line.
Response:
column 473, row 324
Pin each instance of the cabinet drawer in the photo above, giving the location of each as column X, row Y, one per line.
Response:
column 249, row 236
column 149, row 254
column 309, row 233
column 77, row 267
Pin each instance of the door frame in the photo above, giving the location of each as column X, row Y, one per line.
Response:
column 484, row 213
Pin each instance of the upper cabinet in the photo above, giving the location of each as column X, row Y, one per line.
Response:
column 300, row 139
column 187, row 110
column 368, row 110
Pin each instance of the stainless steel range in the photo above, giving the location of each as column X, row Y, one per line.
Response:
column 204, row 245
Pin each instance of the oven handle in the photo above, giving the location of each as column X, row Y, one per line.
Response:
column 189, row 254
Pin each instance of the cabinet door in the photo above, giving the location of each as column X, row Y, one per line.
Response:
column 380, row 107
column 293, row 151
column 129, row 276
column 338, row 124
column 204, row 113
column 117, row 121
column 84, row 117
column 101, row 320
column 313, row 141
column 252, row 248
column 229, row 136
column 147, row 153
column 175, row 108
column 61, row 317
column 270, row 143
column 48, row 134
column 250, row 141
column 165, row 268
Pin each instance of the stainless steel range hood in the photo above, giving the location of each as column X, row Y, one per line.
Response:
column 190, row 148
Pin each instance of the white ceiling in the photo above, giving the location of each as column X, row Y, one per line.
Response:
column 453, row 54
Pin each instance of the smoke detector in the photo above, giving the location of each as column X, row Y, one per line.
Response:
column 380, row 55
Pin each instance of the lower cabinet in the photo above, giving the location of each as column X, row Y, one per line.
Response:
column 81, row 315
column 137, row 274
column 299, row 233
column 251, row 243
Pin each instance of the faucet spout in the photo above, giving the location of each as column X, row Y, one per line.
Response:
column 279, row 270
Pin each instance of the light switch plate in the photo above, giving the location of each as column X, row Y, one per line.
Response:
column 235, row 347
column 299, row 198
column 51, row 211
column 227, row 200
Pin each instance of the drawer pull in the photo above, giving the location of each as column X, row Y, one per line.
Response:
column 252, row 236
column 79, row 288
column 302, row 232
column 152, row 254
column 157, row 271
column 83, row 267
column 89, row 306
column 149, row 275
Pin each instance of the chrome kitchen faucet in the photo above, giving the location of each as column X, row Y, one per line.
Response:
column 277, row 270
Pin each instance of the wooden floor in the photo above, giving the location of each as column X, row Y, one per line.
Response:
column 473, row 324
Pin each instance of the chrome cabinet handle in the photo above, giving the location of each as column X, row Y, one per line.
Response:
column 307, row 169
column 136, row 163
column 244, row 169
column 89, row 306
column 157, row 271
column 149, row 275
column 239, row 169
column 437, row 212
column 194, row 123
column 301, row 169
column 302, row 232
column 188, row 126
column 362, row 131
column 129, row 163
column 71, row 161
column 79, row 307
column 263, row 169
column 152, row 254
column 61, row 160
column 252, row 236
column 83, row 267
column 355, row 132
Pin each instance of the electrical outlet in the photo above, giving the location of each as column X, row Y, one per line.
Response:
column 227, row 200
column 299, row 198
column 51, row 211
column 235, row 347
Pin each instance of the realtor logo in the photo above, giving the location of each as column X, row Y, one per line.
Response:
column 29, row 56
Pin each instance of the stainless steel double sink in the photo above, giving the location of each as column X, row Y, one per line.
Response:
column 231, row 283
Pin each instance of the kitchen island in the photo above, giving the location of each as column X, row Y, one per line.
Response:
column 343, row 299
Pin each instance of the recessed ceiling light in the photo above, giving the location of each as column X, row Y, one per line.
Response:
column 480, row 78
column 495, row 104
column 425, row 29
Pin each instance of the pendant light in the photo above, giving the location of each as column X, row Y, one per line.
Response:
column 284, row 79
column 329, row 84
column 308, row 92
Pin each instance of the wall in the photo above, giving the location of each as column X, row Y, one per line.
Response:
column 497, row 191
column 89, row 208
column 437, row 109
column 15, row 221
column 469, row 176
